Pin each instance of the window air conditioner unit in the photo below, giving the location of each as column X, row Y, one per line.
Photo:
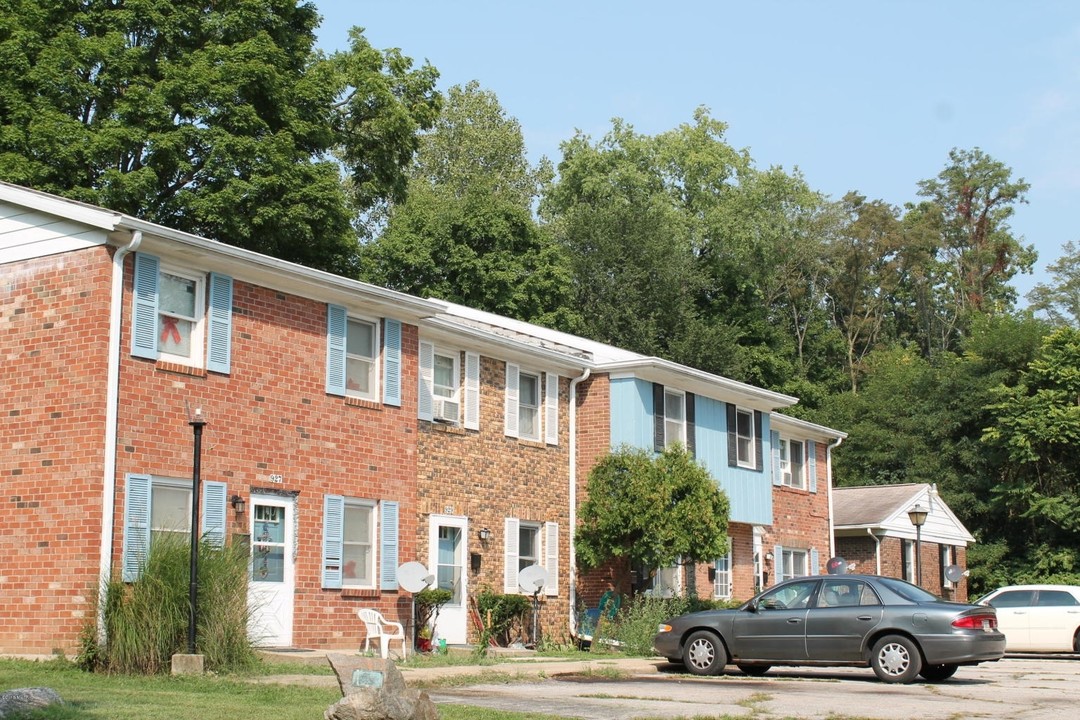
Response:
column 445, row 410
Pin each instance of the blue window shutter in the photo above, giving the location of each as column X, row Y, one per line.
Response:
column 814, row 562
column 774, row 452
column 424, row 402
column 333, row 545
column 392, row 362
column 658, row 435
column 336, row 327
column 811, row 452
column 213, row 513
column 388, row 561
column 778, row 562
column 136, row 525
column 144, row 311
column 551, row 408
column 219, row 326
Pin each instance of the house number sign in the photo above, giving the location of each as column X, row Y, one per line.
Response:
column 277, row 479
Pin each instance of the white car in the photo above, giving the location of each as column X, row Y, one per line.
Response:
column 1037, row 618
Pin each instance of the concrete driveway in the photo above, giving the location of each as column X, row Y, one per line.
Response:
column 1017, row 688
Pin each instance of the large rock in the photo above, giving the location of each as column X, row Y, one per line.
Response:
column 374, row 689
column 23, row 700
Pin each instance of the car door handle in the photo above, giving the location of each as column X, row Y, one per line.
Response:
column 794, row 621
column 865, row 617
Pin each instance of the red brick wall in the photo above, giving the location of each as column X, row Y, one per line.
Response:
column 801, row 518
column 593, row 443
column 486, row 476
column 272, row 415
column 54, row 315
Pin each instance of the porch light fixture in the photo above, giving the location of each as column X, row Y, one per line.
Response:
column 485, row 535
column 238, row 504
column 917, row 515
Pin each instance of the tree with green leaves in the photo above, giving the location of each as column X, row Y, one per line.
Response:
column 1059, row 299
column 652, row 510
column 219, row 119
column 466, row 232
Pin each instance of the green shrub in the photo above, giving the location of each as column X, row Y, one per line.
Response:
column 634, row 627
column 501, row 615
column 146, row 621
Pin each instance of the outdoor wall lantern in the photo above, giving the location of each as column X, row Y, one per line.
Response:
column 238, row 504
column 485, row 535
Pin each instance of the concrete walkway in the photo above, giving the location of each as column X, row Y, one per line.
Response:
column 516, row 665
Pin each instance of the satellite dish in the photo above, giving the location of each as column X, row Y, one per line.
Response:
column 414, row 577
column 836, row 566
column 953, row 573
column 532, row 579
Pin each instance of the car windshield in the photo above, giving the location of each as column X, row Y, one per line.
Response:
column 906, row 590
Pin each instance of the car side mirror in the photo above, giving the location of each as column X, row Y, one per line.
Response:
column 752, row 606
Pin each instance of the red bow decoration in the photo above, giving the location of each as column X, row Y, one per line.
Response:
column 169, row 329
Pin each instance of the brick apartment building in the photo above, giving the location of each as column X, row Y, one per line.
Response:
column 350, row 429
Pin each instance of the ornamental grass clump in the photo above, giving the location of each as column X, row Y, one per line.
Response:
column 146, row 621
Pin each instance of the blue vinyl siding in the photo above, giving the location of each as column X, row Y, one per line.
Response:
column 749, row 491
column 631, row 413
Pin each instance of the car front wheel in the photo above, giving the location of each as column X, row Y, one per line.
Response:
column 896, row 659
column 704, row 654
column 937, row 673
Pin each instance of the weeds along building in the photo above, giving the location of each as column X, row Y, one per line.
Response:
column 350, row 429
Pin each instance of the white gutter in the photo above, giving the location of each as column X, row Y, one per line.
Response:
column 828, row 473
column 112, row 411
column 877, row 550
column 574, row 382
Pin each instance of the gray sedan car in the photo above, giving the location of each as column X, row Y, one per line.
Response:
column 892, row 626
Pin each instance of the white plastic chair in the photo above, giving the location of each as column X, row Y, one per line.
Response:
column 379, row 627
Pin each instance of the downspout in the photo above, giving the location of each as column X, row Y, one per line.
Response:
column 112, row 411
column 828, row 473
column 573, row 496
column 877, row 550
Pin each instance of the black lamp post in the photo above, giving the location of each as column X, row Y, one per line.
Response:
column 917, row 515
column 197, row 424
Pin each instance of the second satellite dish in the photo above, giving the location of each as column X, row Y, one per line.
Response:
column 836, row 566
column 414, row 577
column 532, row 579
column 953, row 573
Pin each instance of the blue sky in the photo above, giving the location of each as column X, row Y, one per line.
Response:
column 867, row 96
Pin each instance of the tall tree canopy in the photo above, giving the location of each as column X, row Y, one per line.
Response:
column 220, row 119
column 466, row 232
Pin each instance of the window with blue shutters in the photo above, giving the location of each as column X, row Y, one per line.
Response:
column 360, row 543
column 156, row 507
column 352, row 353
column 174, row 321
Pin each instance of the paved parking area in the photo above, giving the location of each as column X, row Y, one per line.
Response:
column 1020, row 688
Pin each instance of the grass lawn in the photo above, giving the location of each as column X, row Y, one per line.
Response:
column 115, row 697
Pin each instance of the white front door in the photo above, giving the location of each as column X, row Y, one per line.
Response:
column 446, row 558
column 271, row 582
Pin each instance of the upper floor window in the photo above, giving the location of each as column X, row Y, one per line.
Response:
column 181, row 315
column 792, row 464
column 745, row 437
column 674, row 418
column 360, row 354
column 528, row 406
column 444, row 388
